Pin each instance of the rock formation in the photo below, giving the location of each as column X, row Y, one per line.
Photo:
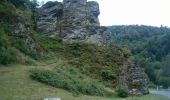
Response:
column 74, row 20
column 77, row 21
column 134, row 78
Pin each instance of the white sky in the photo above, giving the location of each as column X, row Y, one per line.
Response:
column 127, row 12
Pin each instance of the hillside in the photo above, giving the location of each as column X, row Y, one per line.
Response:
column 150, row 48
column 17, row 85
column 71, row 53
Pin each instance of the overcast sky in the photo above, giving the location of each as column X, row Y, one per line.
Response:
column 127, row 12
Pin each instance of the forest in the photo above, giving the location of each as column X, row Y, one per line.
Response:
column 149, row 47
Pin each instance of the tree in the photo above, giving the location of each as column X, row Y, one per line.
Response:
column 150, row 49
column 19, row 3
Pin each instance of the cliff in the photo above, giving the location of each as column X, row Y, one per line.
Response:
column 74, row 20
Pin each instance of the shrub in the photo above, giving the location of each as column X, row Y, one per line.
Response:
column 3, row 37
column 6, row 55
column 122, row 91
column 108, row 74
column 69, row 79
column 19, row 3
column 7, row 12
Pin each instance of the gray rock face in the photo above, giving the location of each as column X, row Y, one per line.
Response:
column 21, row 29
column 74, row 20
column 134, row 78
column 48, row 18
column 22, row 24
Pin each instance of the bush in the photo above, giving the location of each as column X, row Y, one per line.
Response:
column 122, row 91
column 7, row 12
column 69, row 79
column 108, row 74
column 6, row 55
column 19, row 3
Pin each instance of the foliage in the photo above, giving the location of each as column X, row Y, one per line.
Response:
column 126, row 52
column 107, row 74
column 149, row 46
column 121, row 91
column 69, row 79
column 92, row 60
column 22, row 87
column 26, row 48
column 19, row 3
column 7, row 54
column 7, row 12
column 52, row 44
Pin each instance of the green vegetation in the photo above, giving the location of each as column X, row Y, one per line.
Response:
column 87, row 69
column 82, row 69
column 7, row 12
column 69, row 79
column 150, row 48
column 17, row 85
column 7, row 54
column 12, row 43
column 121, row 91
column 82, row 72
column 19, row 3
column 24, row 4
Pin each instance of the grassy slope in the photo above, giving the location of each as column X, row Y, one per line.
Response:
column 15, row 84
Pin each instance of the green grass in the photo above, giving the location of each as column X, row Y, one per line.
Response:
column 15, row 84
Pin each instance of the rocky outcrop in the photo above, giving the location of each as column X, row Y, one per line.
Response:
column 134, row 78
column 74, row 20
column 48, row 18
column 22, row 27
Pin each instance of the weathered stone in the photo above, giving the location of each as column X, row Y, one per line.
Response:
column 78, row 21
column 21, row 24
column 48, row 17
column 134, row 78
column 22, row 27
